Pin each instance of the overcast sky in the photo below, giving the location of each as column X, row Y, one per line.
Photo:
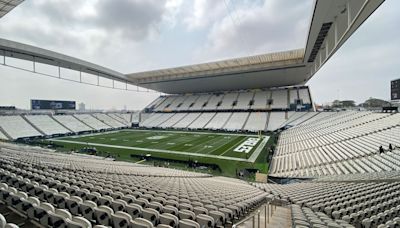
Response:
column 138, row 35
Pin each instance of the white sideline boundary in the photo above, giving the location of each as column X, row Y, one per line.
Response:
column 251, row 159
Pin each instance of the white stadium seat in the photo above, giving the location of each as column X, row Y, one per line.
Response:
column 72, row 123
column 92, row 121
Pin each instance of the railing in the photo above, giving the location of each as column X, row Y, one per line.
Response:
column 258, row 219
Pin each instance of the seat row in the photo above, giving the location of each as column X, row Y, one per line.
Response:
column 369, row 203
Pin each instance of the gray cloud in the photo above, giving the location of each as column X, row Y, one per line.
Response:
column 259, row 28
column 134, row 19
column 56, row 23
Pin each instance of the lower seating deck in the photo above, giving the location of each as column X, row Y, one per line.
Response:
column 54, row 189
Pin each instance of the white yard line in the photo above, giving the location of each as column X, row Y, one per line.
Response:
column 258, row 150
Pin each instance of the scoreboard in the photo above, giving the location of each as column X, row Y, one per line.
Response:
column 395, row 90
column 52, row 105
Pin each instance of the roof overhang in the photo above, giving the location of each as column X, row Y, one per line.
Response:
column 276, row 69
column 333, row 22
column 17, row 50
column 7, row 5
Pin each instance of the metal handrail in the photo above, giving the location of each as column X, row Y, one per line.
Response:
column 267, row 213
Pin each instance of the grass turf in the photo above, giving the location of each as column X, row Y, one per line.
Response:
column 198, row 143
column 221, row 146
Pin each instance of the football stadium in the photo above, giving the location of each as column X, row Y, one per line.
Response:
column 238, row 142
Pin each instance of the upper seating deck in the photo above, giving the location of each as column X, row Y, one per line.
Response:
column 228, row 101
column 213, row 102
column 243, row 101
column 187, row 103
column 279, row 99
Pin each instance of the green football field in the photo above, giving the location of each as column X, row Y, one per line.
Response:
column 238, row 147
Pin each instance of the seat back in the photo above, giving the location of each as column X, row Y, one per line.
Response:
column 105, row 200
column 60, row 199
column 121, row 220
column 103, row 214
column 87, row 209
column 157, row 206
column 134, row 210
column 205, row 221
column 169, row 219
column 218, row 216
column 78, row 222
column 73, row 204
column 171, row 209
column 151, row 215
column 118, row 205
column 59, row 218
column 186, row 223
column 42, row 211
column 142, row 202
column 200, row 210
column 186, row 214
column 128, row 198
column 141, row 223
column 3, row 221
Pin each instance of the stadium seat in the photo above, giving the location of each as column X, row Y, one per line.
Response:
column 151, row 215
column 186, row 223
column 134, row 210
column 103, row 215
column 205, row 220
column 87, row 209
column 121, row 219
column 142, row 223
column 169, row 219
column 186, row 214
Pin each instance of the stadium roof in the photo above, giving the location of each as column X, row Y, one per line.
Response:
column 7, row 5
column 333, row 22
column 17, row 50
